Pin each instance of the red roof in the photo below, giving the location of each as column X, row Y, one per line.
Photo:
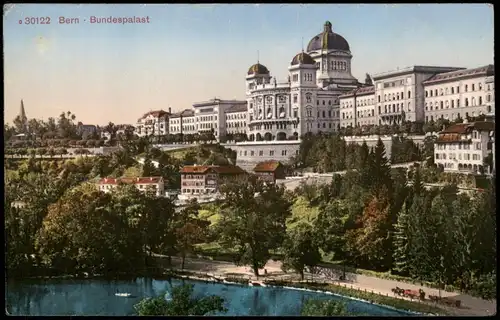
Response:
column 230, row 169
column 463, row 128
column 267, row 166
column 140, row 180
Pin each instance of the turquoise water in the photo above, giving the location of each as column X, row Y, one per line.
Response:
column 97, row 297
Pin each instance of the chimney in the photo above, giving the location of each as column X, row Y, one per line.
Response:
column 151, row 178
column 138, row 179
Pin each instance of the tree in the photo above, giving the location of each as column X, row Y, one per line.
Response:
column 401, row 238
column 253, row 219
column 82, row 232
column 373, row 236
column 324, row 308
column 189, row 229
column 300, row 249
column 181, row 304
column 330, row 226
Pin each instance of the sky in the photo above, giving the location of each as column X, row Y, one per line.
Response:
column 192, row 53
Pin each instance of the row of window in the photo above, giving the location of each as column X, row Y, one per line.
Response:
column 199, row 191
column 236, row 124
column 270, row 126
column 252, row 153
column 453, row 90
column 306, row 77
column 235, row 116
column 206, row 118
column 453, row 156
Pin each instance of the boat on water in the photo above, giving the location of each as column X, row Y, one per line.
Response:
column 123, row 294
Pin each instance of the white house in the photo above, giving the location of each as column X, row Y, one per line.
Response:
column 142, row 183
column 463, row 147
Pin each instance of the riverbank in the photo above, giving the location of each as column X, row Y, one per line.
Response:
column 320, row 287
column 470, row 306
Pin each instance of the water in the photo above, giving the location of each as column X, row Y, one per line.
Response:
column 97, row 297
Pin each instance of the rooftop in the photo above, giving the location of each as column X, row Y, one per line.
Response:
column 229, row 169
column 139, row 180
column 156, row 114
column 481, row 71
column 359, row 91
column 237, row 108
column 418, row 69
column 463, row 128
column 183, row 113
column 267, row 166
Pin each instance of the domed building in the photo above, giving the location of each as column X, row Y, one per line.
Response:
column 308, row 100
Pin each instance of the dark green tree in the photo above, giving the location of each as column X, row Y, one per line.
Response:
column 181, row 303
column 253, row 219
column 300, row 249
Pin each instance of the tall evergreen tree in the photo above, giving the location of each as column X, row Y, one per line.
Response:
column 401, row 242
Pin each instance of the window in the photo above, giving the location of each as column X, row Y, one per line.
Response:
column 436, row 92
column 409, row 106
column 324, row 114
column 441, row 105
column 295, row 98
column 453, row 103
column 488, row 98
column 283, row 152
column 466, row 101
column 473, row 87
column 295, row 77
column 458, row 103
column 261, row 153
column 458, row 89
column 452, row 90
column 466, row 88
column 271, row 152
column 409, row 94
column 251, row 153
column 426, row 93
column 378, row 98
column 480, row 100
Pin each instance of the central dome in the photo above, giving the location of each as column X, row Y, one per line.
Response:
column 328, row 40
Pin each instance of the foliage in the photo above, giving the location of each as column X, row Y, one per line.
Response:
column 324, row 308
column 181, row 303
column 189, row 229
column 300, row 249
column 253, row 219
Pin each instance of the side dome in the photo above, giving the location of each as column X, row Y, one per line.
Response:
column 302, row 58
column 328, row 40
column 258, row 69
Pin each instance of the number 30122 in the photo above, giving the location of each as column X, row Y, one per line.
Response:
column 37, row 20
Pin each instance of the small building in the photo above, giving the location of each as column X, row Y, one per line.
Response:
column 141, row 183
column 463, row 147
column 270, row 170
column 204, row 181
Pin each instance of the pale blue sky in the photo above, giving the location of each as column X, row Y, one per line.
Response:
column 191, row 53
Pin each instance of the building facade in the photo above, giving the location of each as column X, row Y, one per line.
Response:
column 155, row 123
column 205, row 181
column 460, row 94
column 308, row 100
column 143, row 184
column 464, row 147
column 269, row 171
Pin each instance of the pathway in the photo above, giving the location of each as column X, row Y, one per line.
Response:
column 471, row 306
